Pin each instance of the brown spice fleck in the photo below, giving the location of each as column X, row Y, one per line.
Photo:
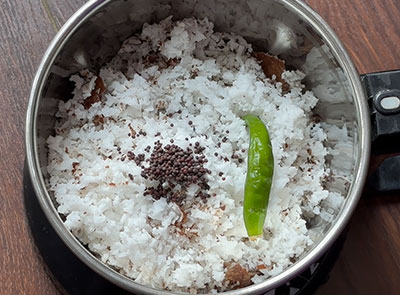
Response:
column 161, row 106
column 172, row 62
column 133, row 132
column 238, row 276
column 98, row 120
column 184, row 218
column 152, row 58
column 263, row 266
column 96, row 94
column 272, row 65
column 74, row 167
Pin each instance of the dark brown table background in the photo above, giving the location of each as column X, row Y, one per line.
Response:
column 370, row 29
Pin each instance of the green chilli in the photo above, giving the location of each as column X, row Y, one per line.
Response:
column 260, row 170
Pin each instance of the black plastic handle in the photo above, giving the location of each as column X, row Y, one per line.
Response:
column 387, row 176
column 383, row 92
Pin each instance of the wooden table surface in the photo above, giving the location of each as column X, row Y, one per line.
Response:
column 370, row 29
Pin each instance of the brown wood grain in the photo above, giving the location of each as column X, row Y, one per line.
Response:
column 25, row 32
column 370, row 29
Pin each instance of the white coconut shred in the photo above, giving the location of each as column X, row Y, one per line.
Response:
column 186, row 86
